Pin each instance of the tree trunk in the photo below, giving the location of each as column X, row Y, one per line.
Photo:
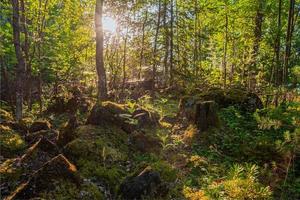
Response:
column 25, row 48
column 142, row 47
column 21, row 67
column 257, row 38
column 166, row 37
column 155, row 47
column 224, row 63
column 102, row 90
column 124, row 62
column 171, row 43
column 288, row 41
column 277, row 67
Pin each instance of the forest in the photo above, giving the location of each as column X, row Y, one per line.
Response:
column 150, row 99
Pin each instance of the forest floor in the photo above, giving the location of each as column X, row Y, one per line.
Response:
column 151, row 149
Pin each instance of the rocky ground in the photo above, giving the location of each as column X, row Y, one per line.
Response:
column 116, row 151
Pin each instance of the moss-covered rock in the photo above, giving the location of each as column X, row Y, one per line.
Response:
column 109, row 175
column 10, row 174
column 98, row 144
column 146, row 183
column 145, row 117
column 109, row 113
column 247, row 101
column 11, row 142
column 145, row 143
column 58, row 168
column 68, row 190
column 5, row 116
column 67, row 134
column 39, row 125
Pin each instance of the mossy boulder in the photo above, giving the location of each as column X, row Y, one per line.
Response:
column 109, row 113
column 107, row 175
column 98, row 144
column 39, row 125
column 11, row 143
column 146, row 183
column 35, row 136
column 145, row 117
column 65, row 189
column 45, row 178
column 5, row 116
column 10, row 175
column 206, row 115
column 145, row 143
column 245, row 100
column 67, row 134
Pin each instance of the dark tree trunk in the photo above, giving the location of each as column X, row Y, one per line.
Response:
column 166, row 38
column 21, row 67
column 224, row 63
column 142, row 47
column 257, row 38
column 102, row 90
column 288, row 42
column 277, row 68
column 155, row 46
column 171, row 43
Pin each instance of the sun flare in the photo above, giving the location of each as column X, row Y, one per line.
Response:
column 109, row 24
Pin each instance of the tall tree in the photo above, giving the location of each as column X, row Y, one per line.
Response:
column 21, row 66
column 277, row 67
column 256, row 43
column 102, row 89
column 288, row 42
column 155, row 45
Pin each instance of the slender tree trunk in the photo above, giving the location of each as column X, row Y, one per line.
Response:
column 171, row 43
column 142, row 47
column 224, row 63
column 25, row 48
column 155, row 47
column 21, row 67
column 166, row 37
column 288, row 42
column 277, row 47
column 195, row 53
column 102, row 89
column 124, row 62
column 257, row 38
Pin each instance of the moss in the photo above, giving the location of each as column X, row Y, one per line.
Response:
column 5, row 116
column 167, row 172
column 9, row 173
column 98, row 144
column 235, row 95
column 40, row 124
column 114, row 108
column 68, row 190
column 111, row 174
column 11, row 142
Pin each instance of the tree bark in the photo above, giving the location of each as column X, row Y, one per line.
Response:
column 171, row 43
column 257, row 38
column 102, row 89
column 166, row 38
column 288, row 42
column 155, row 47
column 277, row 47
column 21, row 67
column 142, row 47
column 224, row 63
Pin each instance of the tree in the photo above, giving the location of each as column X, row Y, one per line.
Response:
column 21, row 67
column 102, row 89
column 289, row 33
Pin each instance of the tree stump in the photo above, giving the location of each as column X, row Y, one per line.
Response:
column 206, row 115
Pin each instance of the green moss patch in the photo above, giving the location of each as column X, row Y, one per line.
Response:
column 11, row 142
